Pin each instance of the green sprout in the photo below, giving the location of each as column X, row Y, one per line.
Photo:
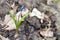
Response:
column 17, row 23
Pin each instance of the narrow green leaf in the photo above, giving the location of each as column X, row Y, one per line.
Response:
column 21, row 20
column 12, row 16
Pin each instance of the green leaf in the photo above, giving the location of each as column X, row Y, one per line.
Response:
column 21, row 20
column 12, row 16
